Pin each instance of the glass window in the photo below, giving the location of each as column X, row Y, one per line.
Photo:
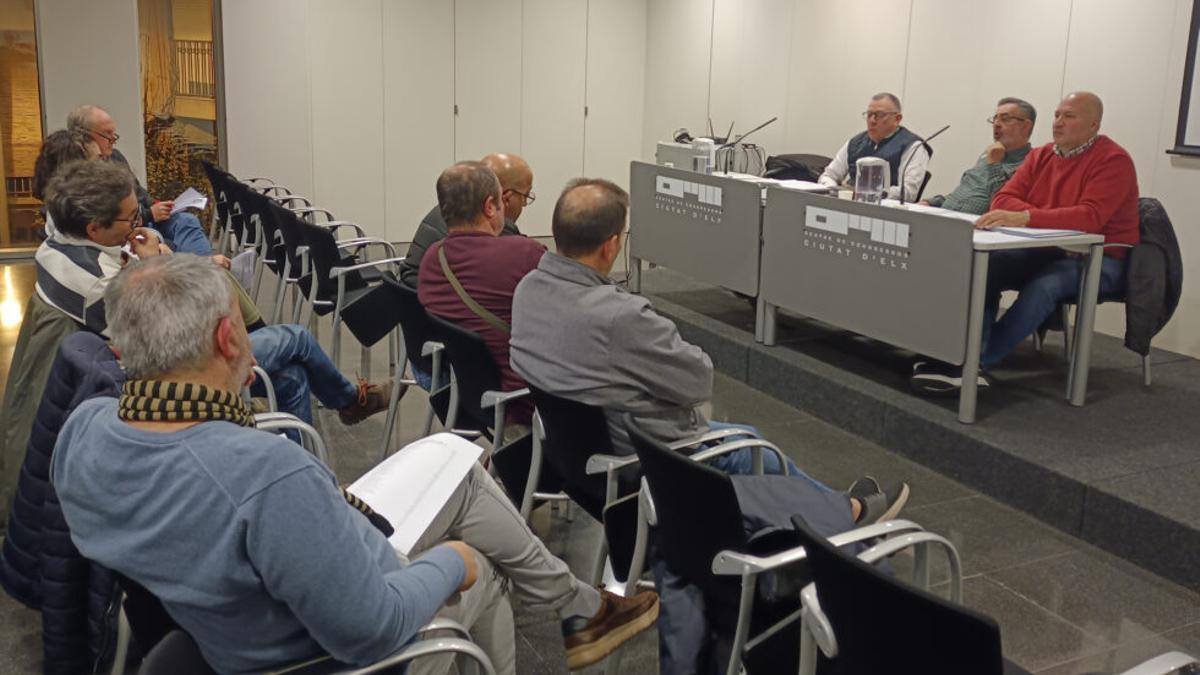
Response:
column 20, row 124
column 179, row 94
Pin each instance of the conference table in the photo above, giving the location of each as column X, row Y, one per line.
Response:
column 911, row 276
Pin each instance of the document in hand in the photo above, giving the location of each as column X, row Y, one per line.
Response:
column 1036, row 232
column 411, row 487
column 189, row 199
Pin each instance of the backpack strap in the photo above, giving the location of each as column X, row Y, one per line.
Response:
column 478, row 309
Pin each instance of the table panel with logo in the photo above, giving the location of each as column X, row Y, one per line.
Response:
column 706, row 227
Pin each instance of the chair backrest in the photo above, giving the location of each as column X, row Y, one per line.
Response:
column 797, row 166
column 574, row 432
column 324, row 254
column 697, row 509
column 417, row 330
column 291, row 228
column 474, row 368
column 884, row 625
column 255, row 204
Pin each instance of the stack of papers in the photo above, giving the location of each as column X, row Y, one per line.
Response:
column 189, row 199
column 1036, row 232
column 411, row 487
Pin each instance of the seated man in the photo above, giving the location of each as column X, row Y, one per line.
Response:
column 245, row 538
column 1081, row 181
column 1011, row 127
column 886, row 139
column 516, row 185
column 182, row 230
column 93, row 212
column 486, row 267
column 577, row 335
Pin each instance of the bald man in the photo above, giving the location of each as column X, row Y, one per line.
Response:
column 516, row 184
column 181, row 231
column 1082, row 181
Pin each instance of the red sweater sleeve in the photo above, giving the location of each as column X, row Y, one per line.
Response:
column 1012, row 195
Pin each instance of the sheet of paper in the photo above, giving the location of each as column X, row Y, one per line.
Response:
column 933, row 210
column 1036, row 232
column 189, row 199
column 994, row 237
column 804, row 186
column 411, row 486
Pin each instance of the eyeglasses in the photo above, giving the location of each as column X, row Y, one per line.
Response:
column 111, row 139
column 1005, row 119
column 529, row 197
column 878, row 114
column 134, row 220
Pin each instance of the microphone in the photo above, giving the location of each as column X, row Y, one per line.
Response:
column 739, row 139
column 922, row 141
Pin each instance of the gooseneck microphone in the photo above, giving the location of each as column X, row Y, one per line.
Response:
column 922, row 141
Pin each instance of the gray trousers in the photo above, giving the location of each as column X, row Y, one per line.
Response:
column 480, row 514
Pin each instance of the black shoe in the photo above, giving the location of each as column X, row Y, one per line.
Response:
column 936, row 377
column 877, row 503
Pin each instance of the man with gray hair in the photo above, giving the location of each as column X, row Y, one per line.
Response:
column 245, row 537
column 1012, row 125
column 182, row 230
column 884, row 138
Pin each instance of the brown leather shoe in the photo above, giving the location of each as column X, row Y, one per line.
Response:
column 372, row 398
column 618, row 620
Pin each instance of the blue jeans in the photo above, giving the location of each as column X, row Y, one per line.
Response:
column 741, row 462
column 1045, row 279
column 183, row 233
column 298, row 366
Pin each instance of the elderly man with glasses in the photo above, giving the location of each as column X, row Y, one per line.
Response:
column 1012, row 126
column 182, row 230
column 886, row 139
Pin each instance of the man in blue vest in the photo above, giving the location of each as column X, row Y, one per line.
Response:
column 886, row 139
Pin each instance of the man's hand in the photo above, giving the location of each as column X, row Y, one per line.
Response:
column 1001, row 218
column 160, row 211
column 468, row 555
column 924, row 202
column 995, row 152
column 146, row 243
column 222, row 261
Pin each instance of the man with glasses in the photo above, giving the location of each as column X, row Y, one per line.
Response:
column 886, row 139
column 1011, row 127
column 182, row 230
column 516, row 184
column 1082, row 181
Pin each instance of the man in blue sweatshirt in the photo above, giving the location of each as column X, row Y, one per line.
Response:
column 245, row 537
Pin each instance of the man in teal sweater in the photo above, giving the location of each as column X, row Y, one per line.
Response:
column 245, row 537
column 1012, row 125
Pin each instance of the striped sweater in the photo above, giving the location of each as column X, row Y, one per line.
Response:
column 72, row 274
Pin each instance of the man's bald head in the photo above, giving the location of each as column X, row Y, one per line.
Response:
column 516, row 180
column 1077, row 119
column 589, row 213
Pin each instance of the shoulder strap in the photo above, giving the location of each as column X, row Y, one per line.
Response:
column 478, row 309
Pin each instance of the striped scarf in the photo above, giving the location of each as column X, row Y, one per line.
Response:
column 155, row 401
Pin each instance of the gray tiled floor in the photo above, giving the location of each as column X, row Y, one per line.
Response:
column 1063, row 606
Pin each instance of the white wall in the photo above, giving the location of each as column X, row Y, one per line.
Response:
column 949, row 61
column 88, row 53
column 353, row 104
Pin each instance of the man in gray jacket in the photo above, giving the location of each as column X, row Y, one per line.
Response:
column 577, row 335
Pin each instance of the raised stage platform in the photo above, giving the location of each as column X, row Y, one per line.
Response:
column 1122, row 472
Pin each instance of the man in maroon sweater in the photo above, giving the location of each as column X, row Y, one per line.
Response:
column 1081, row 181
column 487, row 266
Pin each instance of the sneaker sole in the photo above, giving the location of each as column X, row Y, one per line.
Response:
column 943, row 384
column 897, row 506
column 583, row 656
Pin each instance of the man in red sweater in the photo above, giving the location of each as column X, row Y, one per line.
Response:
column 1081, row 181
column 487, row 266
